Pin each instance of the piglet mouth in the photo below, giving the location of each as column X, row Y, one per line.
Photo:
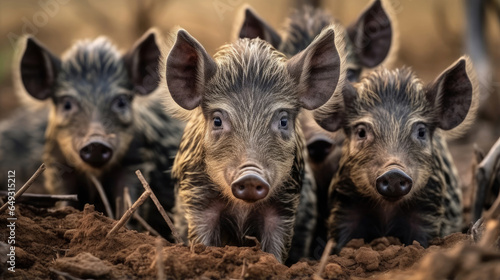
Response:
column 250, row 185
column 96, row 152
column 394, row 184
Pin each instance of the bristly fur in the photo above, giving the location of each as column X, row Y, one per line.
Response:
column 391, row 104
column 94, row 73
column 302, row 26
column 251, row 84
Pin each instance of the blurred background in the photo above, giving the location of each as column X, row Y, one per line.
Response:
column 432, row 35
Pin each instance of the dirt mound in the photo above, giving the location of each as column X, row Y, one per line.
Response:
column 72, row 243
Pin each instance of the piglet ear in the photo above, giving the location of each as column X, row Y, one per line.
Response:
column 188, row 68
column 142, row 63
column 452, row 95
column 318, row 69
column 332, row 115
column 255, row 27
column 38, row 69
column 372, row 35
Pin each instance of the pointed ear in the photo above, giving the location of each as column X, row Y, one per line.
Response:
column 318, row 69
column 38, row 69
column 332, row 115
column 452, row 95
column 142, row 63
column 188, row 68
column 372, row 35
column 255, row 27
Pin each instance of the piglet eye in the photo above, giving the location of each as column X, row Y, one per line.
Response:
column 120, row 103
column 67, row 105
column 284, row 123
column 421, row 132
column 361, row 132
column 217, row 122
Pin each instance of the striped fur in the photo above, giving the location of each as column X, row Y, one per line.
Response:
column 391, row 105
column 93, row 76
column 324, row 147
column 207, row 212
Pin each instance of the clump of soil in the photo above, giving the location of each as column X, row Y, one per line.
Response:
column 71, row 243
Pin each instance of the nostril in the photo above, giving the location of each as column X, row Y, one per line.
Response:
column 96, row 154
column 394, row 184
column 250, row 187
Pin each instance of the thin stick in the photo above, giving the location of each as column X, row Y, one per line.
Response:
column 160, row 208
column 243, row 269
column 257, row 242
column 28, row 184
column 68, row 197
column 159, row 260
column 127, row 201
column 102, row 194
column 324, row 257
column 129, row 212
column 145, row 224
column 118, row 207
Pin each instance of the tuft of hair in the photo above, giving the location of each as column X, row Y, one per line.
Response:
column 469, row 120
column 302, row 26
column 93, row 58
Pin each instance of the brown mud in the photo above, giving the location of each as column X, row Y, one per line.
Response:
column 71, row 244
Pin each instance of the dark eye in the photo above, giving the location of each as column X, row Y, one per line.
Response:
column 67, row 104
column 361, row 132
column 121, row 102
column 217, row 122
column 284, row 123
column 421, row 132
column 352, row 75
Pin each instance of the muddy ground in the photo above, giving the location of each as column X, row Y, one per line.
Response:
column 71, row 244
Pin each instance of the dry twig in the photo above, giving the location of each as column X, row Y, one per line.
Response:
column 160, row 207
column 243, row 269
column 324, row 258
column 103, row 196
column 55, row 197
column 26, row 186
column 129, row 212
column 118, row 207
column 145, row 224
column 159, row 260
column 257, row 242
column 127, row 201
